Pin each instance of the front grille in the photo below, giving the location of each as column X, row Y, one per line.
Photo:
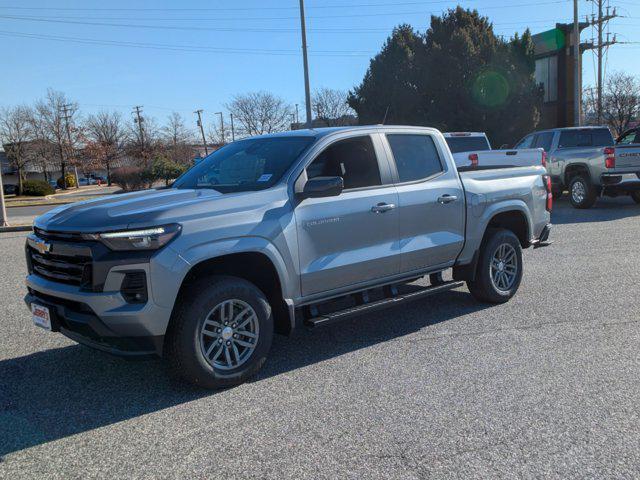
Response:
column 65, row 236
column 71, row 270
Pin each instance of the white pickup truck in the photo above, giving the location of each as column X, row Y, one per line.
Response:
column 472, row 150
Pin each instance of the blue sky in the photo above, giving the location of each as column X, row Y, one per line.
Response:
column 204, row 52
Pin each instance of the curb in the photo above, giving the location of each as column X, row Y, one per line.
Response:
column 41, row 204
column 16, row 228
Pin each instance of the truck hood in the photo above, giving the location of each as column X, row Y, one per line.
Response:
column 129, row 210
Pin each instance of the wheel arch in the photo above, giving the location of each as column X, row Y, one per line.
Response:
column 255, row 266
column 575, row 169
column 514, row 218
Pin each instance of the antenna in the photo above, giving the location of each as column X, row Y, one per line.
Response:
column 384, row 119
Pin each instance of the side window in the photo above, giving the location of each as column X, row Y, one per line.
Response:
column 526, row 142
column 353, row 159
column 543, row 140
column 416, row 156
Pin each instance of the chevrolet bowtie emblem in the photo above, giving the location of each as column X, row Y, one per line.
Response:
column 41, row 245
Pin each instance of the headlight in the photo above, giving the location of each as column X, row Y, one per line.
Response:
column 144, row 239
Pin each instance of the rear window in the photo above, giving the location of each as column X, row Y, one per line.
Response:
column 416, row 156
column 585, row 138
column 467, row 144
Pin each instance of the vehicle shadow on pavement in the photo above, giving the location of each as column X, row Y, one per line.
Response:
column 606, row 209
column 65, row 391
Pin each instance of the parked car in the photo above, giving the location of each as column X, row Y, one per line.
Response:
column 473, row 150
column 585, row 161
column 9, row 189
column 267, row 232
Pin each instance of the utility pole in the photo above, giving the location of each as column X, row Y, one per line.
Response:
column 199, row 123
column 138, row 120
column 221, row 125
column 297, row 117
column 577, row 68
column 66, row 115
column 4, row 220
column 233, row 132
column 305, row 61
column 601, row 48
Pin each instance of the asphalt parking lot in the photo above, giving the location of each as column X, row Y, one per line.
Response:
column 545, row 386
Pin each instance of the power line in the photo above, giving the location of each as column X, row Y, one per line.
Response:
column 53, row 19
column 182, row 48
column 235, row 9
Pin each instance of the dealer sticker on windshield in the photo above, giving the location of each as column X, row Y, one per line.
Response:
column 265, row 177
column 41, row 316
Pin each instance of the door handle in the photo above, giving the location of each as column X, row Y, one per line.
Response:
column 446, row 198
column 382, row 207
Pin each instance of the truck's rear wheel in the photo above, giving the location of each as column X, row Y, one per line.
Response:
column 499, row 269
column 221, row 333
column 582, row 192
column 635, row 197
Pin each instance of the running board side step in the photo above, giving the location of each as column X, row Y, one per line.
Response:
column 330, row 318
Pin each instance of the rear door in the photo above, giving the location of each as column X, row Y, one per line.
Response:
column 431, row 203
column 352, row 238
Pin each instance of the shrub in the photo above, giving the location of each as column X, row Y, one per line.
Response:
column 167, row 170
column 37, row 188
column 132, row 178
column 71, row 181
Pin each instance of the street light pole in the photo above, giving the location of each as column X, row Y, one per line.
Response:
column 221, row 125
column 233, row 132
column 4, row 220
column 305, row 61
column 577, row 73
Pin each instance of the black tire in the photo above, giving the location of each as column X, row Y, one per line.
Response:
column 635, row 196
column 483, row 287
column 183, row 350
column 582, row 193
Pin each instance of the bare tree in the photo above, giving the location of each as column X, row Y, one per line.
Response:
column 59, row 118
column 41, row 151
column 15, row 132
column 258, row 113
column 178, row 139
column 144, row 139
column 106, row 137
column 621, row 101
column 331, row 107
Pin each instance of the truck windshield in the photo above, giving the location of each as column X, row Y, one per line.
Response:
column 467, row 144
column 245, row 165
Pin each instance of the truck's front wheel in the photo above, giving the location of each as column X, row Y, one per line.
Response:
column 499, row 269
column 221, row 332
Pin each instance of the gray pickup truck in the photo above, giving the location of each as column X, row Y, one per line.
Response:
column 304, row 227
column 585, row 161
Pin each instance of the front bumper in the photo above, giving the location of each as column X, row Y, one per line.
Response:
column 80, row 323
column 104, row 319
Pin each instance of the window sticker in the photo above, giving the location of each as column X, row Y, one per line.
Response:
column 265, row 177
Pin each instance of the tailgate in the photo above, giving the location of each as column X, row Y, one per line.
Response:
column 628, row 157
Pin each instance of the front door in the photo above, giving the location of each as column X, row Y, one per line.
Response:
column 351, row 238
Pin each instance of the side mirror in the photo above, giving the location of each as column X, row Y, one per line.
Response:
column 322, row 187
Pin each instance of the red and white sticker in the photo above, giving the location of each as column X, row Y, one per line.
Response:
column 41, row 316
